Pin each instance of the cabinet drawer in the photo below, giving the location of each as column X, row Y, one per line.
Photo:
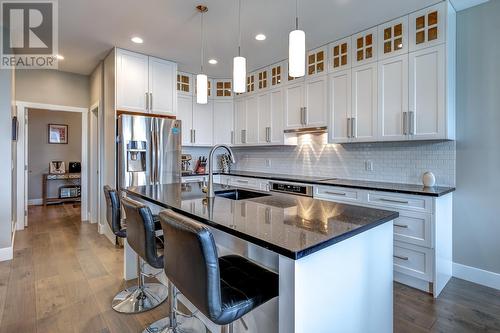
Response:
column 414, row 228
column 251, row 183
column 413, row 260
column 411, row 202
column 193, row 179
column 336, row 193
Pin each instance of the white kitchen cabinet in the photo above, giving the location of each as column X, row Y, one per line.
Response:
column 276, row 112
column 393, row 38
column 203, row 124
column 132, row 92
column 340, row 106
column 162, row 86
column 316, row 100
column 428, row 26
column 364, row 47
column 294, row 105
column 364, row 103
column 145, row 84
column 185, row 115
column 393, row 98
column 427, row 88
column 223, row 121
column 265, row 123
column 252, row 120
column 340, row 55
column 239, row 120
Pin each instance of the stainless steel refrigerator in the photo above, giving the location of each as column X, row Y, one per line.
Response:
column 149, row 151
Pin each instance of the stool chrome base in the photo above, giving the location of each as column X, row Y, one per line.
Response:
column 139, row 299
column 184, row 325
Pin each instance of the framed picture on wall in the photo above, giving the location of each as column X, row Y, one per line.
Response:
column 58, row 134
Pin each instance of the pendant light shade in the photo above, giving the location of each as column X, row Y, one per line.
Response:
column 239, row 74
column 297, row 53
column 239, row 62
column 201, row 89
column 201, row 79
column 297, row 48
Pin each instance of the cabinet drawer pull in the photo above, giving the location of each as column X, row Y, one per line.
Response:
column 400, row 257
column 242, row 181
column 336, row 193
column 394, row 201
column 401, row 225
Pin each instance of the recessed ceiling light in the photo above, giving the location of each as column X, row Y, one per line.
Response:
column 59, row 57
column 213, row 61
column 260, row 37
column 137, row 40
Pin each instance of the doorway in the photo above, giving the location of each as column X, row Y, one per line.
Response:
column 51, row 133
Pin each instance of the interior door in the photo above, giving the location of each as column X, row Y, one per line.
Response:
column 393, row 98
column 131, row 81
column 340, row 106
column 364, row 103
column 162, row 86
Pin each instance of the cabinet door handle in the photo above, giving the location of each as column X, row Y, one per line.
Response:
column 147, row 101
column 306, row 116
column 401, row 225
column 268, row 134
column 400, row 257
column 194, row 136
column 336, row 193
column 232, row 137
column 243, row 136
column 412, row 122
column 302, row 116
column 191, row 135
column 394, row 201
column 151, row 101
column 353, row 128
column 405, row 123
column 348, row 127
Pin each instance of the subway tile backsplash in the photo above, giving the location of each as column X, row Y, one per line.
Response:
column 399, row 162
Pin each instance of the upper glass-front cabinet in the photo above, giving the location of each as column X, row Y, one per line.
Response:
column 364, row 46
column 251, row 83
column 276, row 75
column 262, row 79
column 427, row 27
column 340, row 54
column 184, row 83
column 393, row 38
column 316, row 61
column 223, row 88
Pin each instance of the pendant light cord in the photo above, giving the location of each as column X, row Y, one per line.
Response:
column 239, row 28
column 201, row 59
column 296, row 14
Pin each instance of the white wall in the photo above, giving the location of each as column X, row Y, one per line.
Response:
column 52, row 87
column 476, row 212
column 6, row 152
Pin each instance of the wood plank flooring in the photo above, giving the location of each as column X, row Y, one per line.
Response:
column 64, row 276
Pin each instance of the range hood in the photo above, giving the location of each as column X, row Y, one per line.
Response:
column 305, row 130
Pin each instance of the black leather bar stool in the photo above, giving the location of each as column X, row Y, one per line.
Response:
column 224, row 289
column 113, row 212
column 142, row 239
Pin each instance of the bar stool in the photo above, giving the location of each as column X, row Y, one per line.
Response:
column 113, row 213
column 224, row 289
column 142, row 239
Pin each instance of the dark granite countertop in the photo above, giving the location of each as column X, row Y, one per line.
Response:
column 290, row 225
column 435, row 191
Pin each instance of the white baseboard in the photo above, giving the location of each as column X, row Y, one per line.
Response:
column 35, row 202
column 476, row 275
column 6, row 253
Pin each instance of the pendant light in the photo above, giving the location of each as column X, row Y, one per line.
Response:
column 201, row 79
column 239, row 62
column 297, row 49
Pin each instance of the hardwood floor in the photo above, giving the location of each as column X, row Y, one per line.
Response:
column 64, row 276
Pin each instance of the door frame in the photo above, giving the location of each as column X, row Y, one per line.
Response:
column 22, row 158
column 94, row 160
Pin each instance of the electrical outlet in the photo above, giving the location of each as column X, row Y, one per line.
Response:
column 268, row 163
column 368, row 165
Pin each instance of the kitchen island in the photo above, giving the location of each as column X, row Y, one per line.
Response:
column 334, row 260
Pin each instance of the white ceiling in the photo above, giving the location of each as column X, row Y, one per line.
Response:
column 88, row 29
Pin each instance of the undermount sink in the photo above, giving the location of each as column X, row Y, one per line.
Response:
column 239, row 194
